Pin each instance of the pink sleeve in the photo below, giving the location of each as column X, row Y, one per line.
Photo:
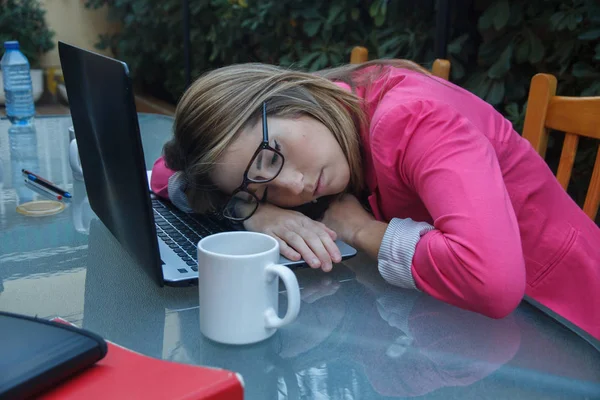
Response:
column 159, row 182
column 473, row 258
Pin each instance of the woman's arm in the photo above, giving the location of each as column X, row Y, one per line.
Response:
column 473, row 258
column 169, row 184
column 159, row 181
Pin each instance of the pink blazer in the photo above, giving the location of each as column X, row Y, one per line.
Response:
column 503, row 225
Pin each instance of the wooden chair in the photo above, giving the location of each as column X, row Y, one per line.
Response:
column 576, row 116
column 440, row 68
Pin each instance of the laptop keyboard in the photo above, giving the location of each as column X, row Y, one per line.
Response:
column 182, row 232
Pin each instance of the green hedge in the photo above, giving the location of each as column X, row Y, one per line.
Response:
column 514, row 39
column 495, row 49
column 311, row 34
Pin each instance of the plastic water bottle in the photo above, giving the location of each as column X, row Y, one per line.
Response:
column 23, row 146
column 18, row 90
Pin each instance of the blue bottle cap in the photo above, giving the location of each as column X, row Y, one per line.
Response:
column 11, row 45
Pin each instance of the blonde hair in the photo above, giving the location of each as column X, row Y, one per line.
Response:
column 219, row 104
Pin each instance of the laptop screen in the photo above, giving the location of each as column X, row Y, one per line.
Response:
column 108, row 138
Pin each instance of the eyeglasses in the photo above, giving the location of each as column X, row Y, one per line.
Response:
column 265, row 165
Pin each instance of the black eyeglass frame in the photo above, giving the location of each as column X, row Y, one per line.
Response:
column 264, row 145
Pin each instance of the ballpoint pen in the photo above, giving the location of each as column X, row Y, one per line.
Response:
column 45, row 183
column 42, row 190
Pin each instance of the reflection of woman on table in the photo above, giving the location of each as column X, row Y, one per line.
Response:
column 404, row 343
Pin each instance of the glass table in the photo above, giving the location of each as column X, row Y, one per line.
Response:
column 356, row 337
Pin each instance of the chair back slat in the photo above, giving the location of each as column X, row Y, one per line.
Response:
column 575, row 114
column 592, row 199
column 567, row 159
column 541, row 91
column 441, row 68
column 359, row 55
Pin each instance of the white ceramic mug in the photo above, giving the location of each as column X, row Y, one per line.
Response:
column 238, row 287
column 74, row 160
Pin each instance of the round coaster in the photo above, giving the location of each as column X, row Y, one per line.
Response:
column 40, row 208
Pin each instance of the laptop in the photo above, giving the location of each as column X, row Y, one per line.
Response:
column 159, row 237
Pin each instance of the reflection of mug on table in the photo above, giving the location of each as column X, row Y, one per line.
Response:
column 74, row 160
column 81, row 211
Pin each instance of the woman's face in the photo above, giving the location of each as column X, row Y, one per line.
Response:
column 314, row 166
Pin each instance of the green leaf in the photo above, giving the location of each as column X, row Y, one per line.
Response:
column 336, row 59
column 592, row 34
column 501, row 14
column 515, row 115
column 486, row 19
column 309, row 13
column 383, row 9
column 502, row 66
column 496, row 93
column 456, row 46
column 512, row 110
column 488, row 52
column 392, row 42
column 334, row 12
column 515, row 91
column 355, row 14
column 516, row 14
column 319, row 63
column 556, row 20
column 311, row 27
column 458, row 70
column 573, row 21
column 478, row 83
column 522, row 51
column 374, row 9
column 307, row 59
column 379, row 19
column 537, row 49
column 584, row 70
column 286, row 60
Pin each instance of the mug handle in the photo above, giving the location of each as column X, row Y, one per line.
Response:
column 275, row 271
column 74, row 157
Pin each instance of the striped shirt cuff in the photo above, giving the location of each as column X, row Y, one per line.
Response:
column 176, row 189
column 398, row 249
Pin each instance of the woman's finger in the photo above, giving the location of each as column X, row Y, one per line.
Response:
column 330, row 246
column 315, row 242
column 330, row 232
column 298, row 243
column 327, row 237
column 286, row 250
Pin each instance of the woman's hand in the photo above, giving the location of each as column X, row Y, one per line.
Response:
column 298, row 235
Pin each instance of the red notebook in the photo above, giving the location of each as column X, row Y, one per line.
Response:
column 124, row 374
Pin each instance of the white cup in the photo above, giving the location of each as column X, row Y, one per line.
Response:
column 238, row 286
column 74, row 160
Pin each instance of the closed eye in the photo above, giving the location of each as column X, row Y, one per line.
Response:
column 275, row 158
column 259, row 161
